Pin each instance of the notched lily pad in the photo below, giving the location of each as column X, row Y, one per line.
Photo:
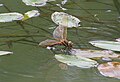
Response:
column 110, row 69
column 110, row 45
column 64, row 19
column 9, row 17
column 72, row 60
column 94, row 53
column 36, row 2
column 5, row 53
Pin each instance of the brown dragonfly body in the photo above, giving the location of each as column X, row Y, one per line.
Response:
column 59, row 34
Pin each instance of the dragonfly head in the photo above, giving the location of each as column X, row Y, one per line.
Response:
column 70, row 44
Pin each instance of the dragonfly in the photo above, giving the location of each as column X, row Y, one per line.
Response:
column 60, row 38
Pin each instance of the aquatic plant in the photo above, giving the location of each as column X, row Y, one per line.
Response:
column 9, row 17
column 30, row 14
column 109, row 45
column 5, row 53
column 36, row 2
column 64, row 19
column 104, row 54
column 12, row 16
column 72, row 60
column 110, row 69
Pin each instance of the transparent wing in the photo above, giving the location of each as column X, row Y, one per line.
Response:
column 48, row 42
column 60, row 32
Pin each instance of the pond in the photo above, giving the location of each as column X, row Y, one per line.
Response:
column 100, row 20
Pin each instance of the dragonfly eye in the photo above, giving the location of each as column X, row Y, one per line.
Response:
column 69, row 42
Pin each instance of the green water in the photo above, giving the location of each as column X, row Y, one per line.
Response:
column 31, row 63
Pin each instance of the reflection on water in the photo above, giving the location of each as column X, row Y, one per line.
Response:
column 31, row 63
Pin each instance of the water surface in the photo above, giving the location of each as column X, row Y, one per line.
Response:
column 31, row 63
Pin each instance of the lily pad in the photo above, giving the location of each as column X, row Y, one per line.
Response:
column 72, row 60
column 110, row 69
column 9, row 17
column 30, row 14
column 36, row 2
column 5, row 53
column 64, row 2
column 64, row 19
column 110, row 45
column 94, row 53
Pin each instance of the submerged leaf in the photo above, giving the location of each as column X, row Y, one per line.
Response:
column 72, row 60
column 94, row 53
column 5, row 53
column 117, row 5
column 30, row 14
column 9, row 17
column 64, row 19
column 36, row 2
column 110, row 69
column 110, row 45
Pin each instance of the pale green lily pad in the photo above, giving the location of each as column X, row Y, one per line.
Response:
column 94, row 53
column 110, row 69
column 110, row 45
column 5, row 53
column 36, row 2
column 9, row 17
column 72, row 60
column 64, row 19
column 30, row 14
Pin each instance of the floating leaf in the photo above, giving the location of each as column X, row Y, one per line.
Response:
column 94, row 53
column 9, row 17
column 63, row 66
column 5, row 53
column 110, row 45
column 36, row 2
column 72, row 60
column 1, row 5
column 64, row 19
column 30, row 14
column 64, row 2
column 110, row 69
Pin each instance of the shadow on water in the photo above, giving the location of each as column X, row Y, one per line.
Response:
column 31, row 63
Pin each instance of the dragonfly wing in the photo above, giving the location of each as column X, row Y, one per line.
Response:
column 65, row 33
column 48, row 42
column 60, row 32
